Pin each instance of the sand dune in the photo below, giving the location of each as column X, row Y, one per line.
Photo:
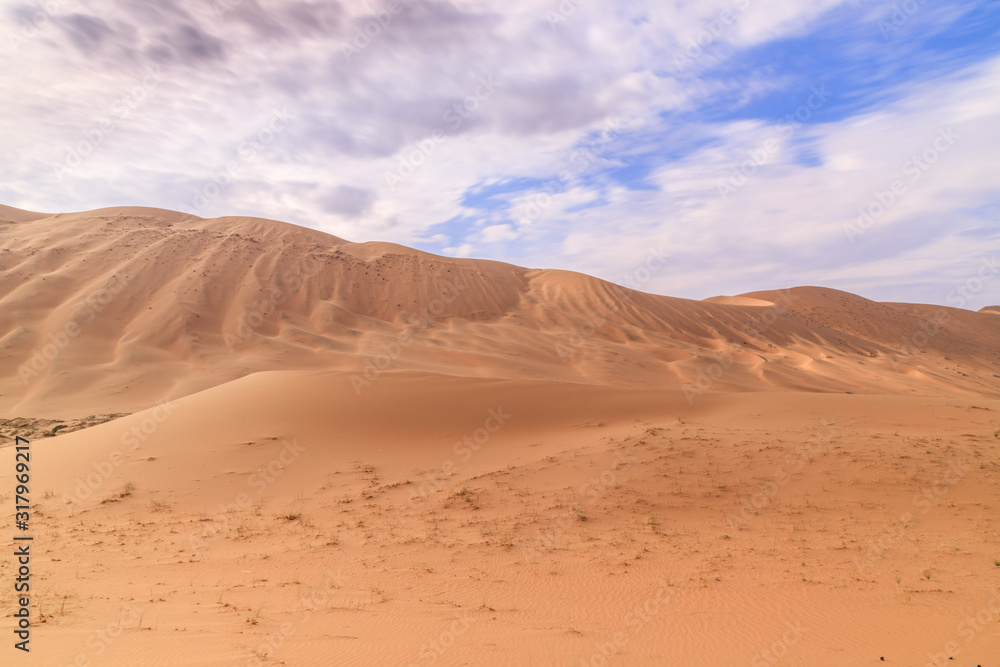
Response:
column 114, row 309
column 363, row 454
column 739, row 301
column 281, row 516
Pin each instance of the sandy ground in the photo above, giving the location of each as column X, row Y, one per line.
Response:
column 676, row 483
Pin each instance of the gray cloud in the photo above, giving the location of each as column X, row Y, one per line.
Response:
column 86, row 32
column 346, row 201
column 192, row 46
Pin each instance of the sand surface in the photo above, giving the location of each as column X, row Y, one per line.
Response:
column 277, row 447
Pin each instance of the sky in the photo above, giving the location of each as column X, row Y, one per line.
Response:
column 755, row 144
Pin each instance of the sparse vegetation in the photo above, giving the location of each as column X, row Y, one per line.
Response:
column 127, row 490
column 33, row 429
column 470, row 497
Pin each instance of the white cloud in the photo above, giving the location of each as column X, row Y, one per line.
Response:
column 354, row 122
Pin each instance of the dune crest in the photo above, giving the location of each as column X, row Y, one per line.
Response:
column 165, row 304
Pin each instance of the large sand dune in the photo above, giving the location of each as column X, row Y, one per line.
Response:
column 113, row 309
column 362, row 454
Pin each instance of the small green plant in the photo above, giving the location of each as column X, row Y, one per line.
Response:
column 927, row 574
column 996, row 561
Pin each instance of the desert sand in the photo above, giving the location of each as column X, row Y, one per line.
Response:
column 253, row 443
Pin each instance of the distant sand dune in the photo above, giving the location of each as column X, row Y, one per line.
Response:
column 739, row 301
column 153, row 304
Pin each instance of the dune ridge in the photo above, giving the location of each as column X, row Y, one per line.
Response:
column 144, row 304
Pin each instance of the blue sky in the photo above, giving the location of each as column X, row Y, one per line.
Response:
column 756, row 142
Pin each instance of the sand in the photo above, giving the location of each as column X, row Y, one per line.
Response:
column 361, row 454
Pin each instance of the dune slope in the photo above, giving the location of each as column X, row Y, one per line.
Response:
column 254, row 443
column 111, row 310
